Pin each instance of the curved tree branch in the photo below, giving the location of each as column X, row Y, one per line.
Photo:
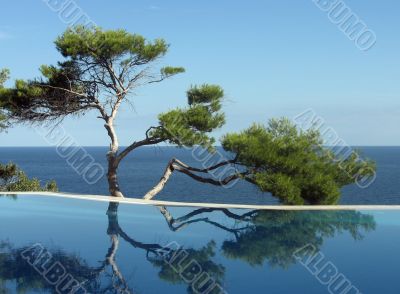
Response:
column 177, row 165
column 145, row 142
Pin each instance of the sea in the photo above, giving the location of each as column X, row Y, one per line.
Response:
column 142, row 169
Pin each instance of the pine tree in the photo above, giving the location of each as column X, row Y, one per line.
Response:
column 102, row 68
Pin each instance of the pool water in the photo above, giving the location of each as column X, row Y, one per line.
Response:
column 60, row 245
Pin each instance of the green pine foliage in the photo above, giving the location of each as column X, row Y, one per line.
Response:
column 294, row 165
column 275, row 236
column 3, row 125
column 191, row 125
column 80, row 41
column 4, row 75
column 13, row 179
column 96, row 63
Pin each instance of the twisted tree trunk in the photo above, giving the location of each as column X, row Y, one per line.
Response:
column 112, row 176
column 113, row 160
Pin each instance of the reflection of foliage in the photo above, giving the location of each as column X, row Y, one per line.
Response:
column 105, row 278
column 14, row 268
column 182, row 258
column 14, row 179
column 275, row 235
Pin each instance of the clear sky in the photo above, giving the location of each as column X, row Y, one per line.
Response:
column 273, row 58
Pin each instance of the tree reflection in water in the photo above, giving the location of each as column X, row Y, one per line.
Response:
column 257, row 237
column 274, row 235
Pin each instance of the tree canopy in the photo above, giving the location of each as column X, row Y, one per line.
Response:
column 293, row 165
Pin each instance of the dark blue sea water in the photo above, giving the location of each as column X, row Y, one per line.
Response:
column 143, row 168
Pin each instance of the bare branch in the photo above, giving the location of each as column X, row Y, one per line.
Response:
column 206, row 170
column 62, row 89
column 176, row 165
column 145, row 142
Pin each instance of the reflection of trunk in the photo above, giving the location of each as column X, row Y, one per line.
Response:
column 115, row 229
column 112, row 214
column 112, row 231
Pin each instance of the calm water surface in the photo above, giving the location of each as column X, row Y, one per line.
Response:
column 145, row 249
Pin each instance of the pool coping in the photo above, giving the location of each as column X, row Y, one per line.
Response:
column 136, row 201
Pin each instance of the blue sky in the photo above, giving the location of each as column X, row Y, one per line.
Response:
column 273, row 58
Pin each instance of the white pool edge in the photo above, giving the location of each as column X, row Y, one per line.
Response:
column 136, row 201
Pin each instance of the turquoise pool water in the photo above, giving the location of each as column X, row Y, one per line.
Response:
column 57, row 245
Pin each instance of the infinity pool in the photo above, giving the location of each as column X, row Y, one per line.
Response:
column 60, row 245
